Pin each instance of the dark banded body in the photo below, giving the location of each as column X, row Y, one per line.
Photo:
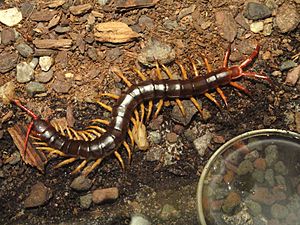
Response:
column 111, row 140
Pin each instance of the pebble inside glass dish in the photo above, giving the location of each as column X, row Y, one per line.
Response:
column 252, row 179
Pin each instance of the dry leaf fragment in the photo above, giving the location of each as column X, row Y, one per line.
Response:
column 114, row 32
column 52, row 43
column 31, row 156
column 127, row 4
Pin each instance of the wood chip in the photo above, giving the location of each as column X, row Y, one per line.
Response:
column 127, row 4
column 54, row 21
column 80, row 9
column 52, row 43
column 114, row 32
column 57, row 3
column 31, row 156
column 44, row 15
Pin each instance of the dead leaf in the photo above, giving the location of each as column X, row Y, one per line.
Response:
column 114, row 32
column 31, row 156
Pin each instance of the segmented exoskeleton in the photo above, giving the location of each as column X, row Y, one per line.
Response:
column 110, row 140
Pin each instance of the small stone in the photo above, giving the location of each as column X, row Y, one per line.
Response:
column 24, row 49
column 86, row 201
column 288, row 64
column 252, row 156
column 139, row 220
column 13, row 159
column 62, row 30
column 44, row 77
column 293, row 76
column 256, row 11
column 257, row 27
column 190, row 111
column 190, row 135
column 156, row 123
column 271, row 152
column 33, row 88
column 226, row 24
column 102, row 195
column 219, row 139
column 268, row 28
column 46, row 62
column 24, row 72
column 154, row 51
column 262, row 195
column 102, row 2
column 269, row 177
column 178, row 129
column 231, row 202
column 280, row 180
column 155, row 137
column 8, row 36
column 280, row 168
column 171, row 137
column 92, row 53
column 260, row 164
column 8, row 61
column 245, row 167
column 154, row 154
column 258, row 176
column 39, row 195
column 287, row 17
column 279, row 211
column 254, row 207
column 146, row 22
column 10, row 17
column 80, row 9
column 81, row 183
column 7, row 92
column 170, row 24
column 201, row 143
column 34, row 62
column 186, row 11
column 60, row 86
column 228, row 177
column 169, row 211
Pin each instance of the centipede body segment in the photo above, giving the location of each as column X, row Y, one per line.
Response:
column 96, row 143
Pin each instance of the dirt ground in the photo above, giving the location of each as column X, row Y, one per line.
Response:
column 160, row 189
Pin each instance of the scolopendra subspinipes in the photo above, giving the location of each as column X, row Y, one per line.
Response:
column 98, row 143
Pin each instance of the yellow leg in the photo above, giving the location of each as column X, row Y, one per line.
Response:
column 183, row 71
column 197, row 105
column 114, row 96
column 82, row 135
column 131, row 137
column 196, row 73
column 150, row 107
column 159, row 106
column 65, row 162
column 142, row 106
column 158, row 72
column 94, row 132
column 39, row 143
column 139, row 73
column 129, row 152
column 105, row 122
column 221, row 93
column 210, row 97
column 119, row 158
column 107, row 107
column 78, row 168
column 100, row 129
column 77, row 137
column 90, row 168
column 119, row 73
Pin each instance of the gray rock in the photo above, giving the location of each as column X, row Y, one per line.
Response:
column 146, row 22
column 271, row 152
column 34, row 62
column 155, row 137
column 170, row 24
column 139, row 220
column 44, row 77
column 10, row 17
column 287, row 17
column 81, row 183
column 61, row 86
column 33, row 88
column 269, row 177
column 254, row 207
column 280, row 168
column 24, row 72
column 8, row 36
column 201, row 143
column 38, row 196
column 245, row 167
column 288, row 64
column 46, row 62
column 156, row 51
column 190, row 111
column 227, row 27
column 279, row 211
column 24, row 49
column 256, row 11
column 258, row 176
column 86, row 201
column 8, row 61
column 280, row 180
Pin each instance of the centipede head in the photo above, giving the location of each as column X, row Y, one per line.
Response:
column 30, row 126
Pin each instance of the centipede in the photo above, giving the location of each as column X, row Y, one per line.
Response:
column 96, row 143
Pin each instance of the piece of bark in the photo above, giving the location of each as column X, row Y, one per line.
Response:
column 114, row 32
column 80, row 9
column 30, row 156
column 133, row 4
column 52, row 43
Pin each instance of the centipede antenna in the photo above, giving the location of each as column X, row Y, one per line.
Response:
column 28, row 111
column 226, row 56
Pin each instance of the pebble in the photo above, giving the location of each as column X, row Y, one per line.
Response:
column 44, row 77
column 171, row 137
column 154, row 154
column 226, row 24
column 186, row 11
column 190, row 135
column 146, row 22
column 155, row 137
column 10, row 17
column 258, row 175
column 170, row 24
column 102, row 2
column 260, row 164
column 280, row 168
column 268, row 28
column 269, row 177
column 46, row 62
column 92, row 53
column 169, row 211
column 201, row 143
column 13, row 159
column 139, row 220
column 34, row 87
column 8, row 61
column 39, row 195
column 156, row 51
column 256, row 11
column 81, row 183
column 271, row 152
column 24, row 72
column 262, row 195
column 280, row 180
column 24, row 49
column 279, row 211
column 156, row 123
column 8, row 36
column 288, row 64
column 245, row 167
column 190, row 111
column 34, row 62
column 102, row 195
column 80, row 9
column 61, row 86
column 254, row 207
column 86, row 201
column 293, row 76
column 62, row 30
column 253, row 155
column 287, row 17
column 7, row 92
column 178, row 129
column 257, row 27
column 231, row 201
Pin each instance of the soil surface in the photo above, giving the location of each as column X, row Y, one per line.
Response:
column 160, row 183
